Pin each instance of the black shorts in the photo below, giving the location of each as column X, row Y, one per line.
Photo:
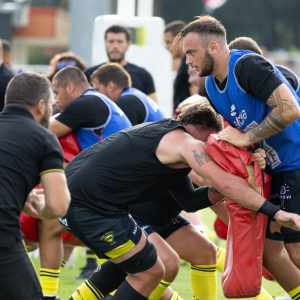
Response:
column 165, row 230
column 285, row 192
column 106, row 237
column 18, row 279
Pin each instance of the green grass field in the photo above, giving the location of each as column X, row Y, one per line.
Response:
column 68, row 285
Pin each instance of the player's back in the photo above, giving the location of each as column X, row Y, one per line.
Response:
column 123, row 168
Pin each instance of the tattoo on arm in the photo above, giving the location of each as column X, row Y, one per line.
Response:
column 275, row 121
column 201, row 158
column 213, row 190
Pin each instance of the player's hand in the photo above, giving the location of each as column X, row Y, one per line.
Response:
column 37, row 199
column 234, row 137
column 259, row 157
column 29, row 210
column 289, row 220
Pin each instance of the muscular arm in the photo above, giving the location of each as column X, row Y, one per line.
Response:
column 56, row 199
column 58, row 128
column 285, row 111
column 191, row 152
column 177, row 149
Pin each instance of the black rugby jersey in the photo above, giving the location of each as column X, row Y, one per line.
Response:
column 123, row 169
column 27, row 150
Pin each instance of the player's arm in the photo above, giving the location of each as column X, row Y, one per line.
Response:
column 56, row 199
column 257, row 77
column 153, row 96
column 191, row 152
column 58, row 128
column 285, row 111
column 53, row 201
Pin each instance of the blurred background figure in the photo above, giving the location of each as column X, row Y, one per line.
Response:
column 117, row 42
column 6, row 46
column 6, row 74
column 181, row 85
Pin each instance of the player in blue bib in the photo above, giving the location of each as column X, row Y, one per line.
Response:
column 114, row 81
column 254, row 96
column 91, row 115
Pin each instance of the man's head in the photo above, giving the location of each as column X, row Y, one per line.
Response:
column 31, row 91
column 171, row 30
column 69, row 84
column 6, row 49
column 204, row 40
column 200, row 120
column 245, row 43
column 117, row 42
column 111, row 79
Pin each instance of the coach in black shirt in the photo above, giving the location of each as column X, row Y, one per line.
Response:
column 117, row 42
column 29, row 153
column 181, row 82
column 6, row 74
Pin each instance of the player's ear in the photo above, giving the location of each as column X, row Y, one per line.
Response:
column 70, row 88
column 111, row 86
column 213, row 47
column 40, row 106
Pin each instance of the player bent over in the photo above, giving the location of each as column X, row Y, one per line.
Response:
column 142, row 163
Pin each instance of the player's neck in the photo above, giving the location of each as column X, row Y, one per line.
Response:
column 221, row 68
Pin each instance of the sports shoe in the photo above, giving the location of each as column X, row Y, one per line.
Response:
column 286, row 296
column 87, row 271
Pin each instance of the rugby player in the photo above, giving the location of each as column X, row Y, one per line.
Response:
column 29, row 153
column 142, row 163
column 112, row 80
column 253, row 95
column 93, row 117
column 117, row 42
column 246, row 43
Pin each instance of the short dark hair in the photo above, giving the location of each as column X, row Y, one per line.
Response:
column 27, row 89
column 119, row 29
column 202, row 115
column 112, row 72
column 6, row 46
column 175, row 27
column 245, row 43
column 70, row 75
column 204, row 25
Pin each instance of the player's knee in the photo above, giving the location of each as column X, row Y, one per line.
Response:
column 171, row 264
column 156, row 273
column 206, row 254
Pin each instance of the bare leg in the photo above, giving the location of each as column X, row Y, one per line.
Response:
column 51, row 250
column 279, row 264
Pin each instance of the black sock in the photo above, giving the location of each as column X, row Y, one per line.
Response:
column 108, row 277
column 91, row 258
column 127, row 292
